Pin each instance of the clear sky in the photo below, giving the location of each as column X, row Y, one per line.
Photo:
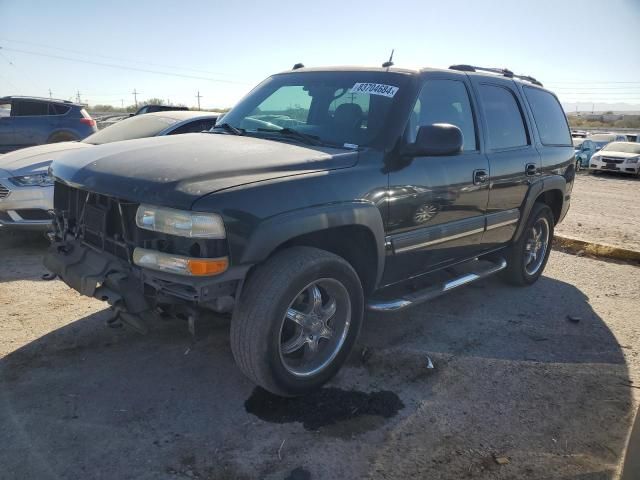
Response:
column 581, row 49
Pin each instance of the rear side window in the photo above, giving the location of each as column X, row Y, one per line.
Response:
column 26, row 108
column 58, row 109
column 549, row 117
column 505, row 127
column 194, row 127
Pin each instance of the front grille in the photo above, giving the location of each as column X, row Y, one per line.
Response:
column 612, row 160
column 109, row 224
column 4, row 191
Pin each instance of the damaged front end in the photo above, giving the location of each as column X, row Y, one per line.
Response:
column 96, row 243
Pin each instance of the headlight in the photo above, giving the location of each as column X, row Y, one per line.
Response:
column 180, row 222
column 595, row 158
column 633, row 160
column 34, row 180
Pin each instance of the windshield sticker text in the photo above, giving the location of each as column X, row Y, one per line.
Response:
column 375, row 89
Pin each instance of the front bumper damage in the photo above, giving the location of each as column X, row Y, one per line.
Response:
column 136, row 294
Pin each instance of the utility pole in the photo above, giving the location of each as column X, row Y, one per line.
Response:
column 50, row 94
column 135, row 96
column 198, row 97
column 78, row 96
column 122, row 103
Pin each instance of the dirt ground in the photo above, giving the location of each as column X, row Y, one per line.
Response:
column 519, row 389
column 605, row 208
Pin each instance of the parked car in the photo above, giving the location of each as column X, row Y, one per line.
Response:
column 578, row 134
column 26, row 189
column 296, row 230
column 584, row 149
column 28, row 121
column 158, row 108
column 602, row 139
column 617, row 157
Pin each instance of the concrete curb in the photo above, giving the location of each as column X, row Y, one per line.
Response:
column 577, row 245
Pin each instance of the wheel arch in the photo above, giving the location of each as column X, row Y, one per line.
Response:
column 352, row 230
column 550, row 191
column 63, row 132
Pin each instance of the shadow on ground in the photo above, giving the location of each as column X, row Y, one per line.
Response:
column 512, row 377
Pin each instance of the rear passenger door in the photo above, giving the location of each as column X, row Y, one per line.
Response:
column 513, row 159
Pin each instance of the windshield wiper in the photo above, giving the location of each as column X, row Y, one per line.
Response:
column 290, row 132
column 227, row 127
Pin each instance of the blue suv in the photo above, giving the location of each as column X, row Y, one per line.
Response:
column 29, row 121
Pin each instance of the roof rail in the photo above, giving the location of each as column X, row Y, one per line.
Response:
column 500, row 71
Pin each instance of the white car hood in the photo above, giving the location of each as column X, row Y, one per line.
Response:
column 36, row 159
column 611, row 154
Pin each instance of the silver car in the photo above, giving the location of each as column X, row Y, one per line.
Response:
column 26, row 190
column 617, row 157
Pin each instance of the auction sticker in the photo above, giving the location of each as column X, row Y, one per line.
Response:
column 375, row 89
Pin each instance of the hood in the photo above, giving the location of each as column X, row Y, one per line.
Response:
column 36, row 159
column 177, row 170
column 613, row 154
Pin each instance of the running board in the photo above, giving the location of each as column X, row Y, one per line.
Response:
column 421, row 296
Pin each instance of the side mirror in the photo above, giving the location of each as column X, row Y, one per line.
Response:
column 439, row 139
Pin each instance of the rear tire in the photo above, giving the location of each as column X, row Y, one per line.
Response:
column 527, row 257
column 61, row 137
column 297, row 320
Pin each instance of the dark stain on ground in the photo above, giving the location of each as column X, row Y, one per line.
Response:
column 324, row 407
column 299, row 474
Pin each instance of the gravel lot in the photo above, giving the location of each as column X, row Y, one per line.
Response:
column 514, row 382
column 605, row 209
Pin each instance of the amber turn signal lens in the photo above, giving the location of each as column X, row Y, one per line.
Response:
column 207, row 266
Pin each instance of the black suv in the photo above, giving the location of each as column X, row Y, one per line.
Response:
column 324, row 192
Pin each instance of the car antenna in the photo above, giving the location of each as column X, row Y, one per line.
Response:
column 298, row 65
column 389, row 63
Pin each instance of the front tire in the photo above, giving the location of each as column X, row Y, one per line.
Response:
column 297, row 320
column 527, row 257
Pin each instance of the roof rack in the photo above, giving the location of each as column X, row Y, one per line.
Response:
column 500, row 71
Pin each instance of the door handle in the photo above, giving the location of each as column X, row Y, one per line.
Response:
column 531, row 169
column 480, row 177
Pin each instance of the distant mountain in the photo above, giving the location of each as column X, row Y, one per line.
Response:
column 629, row 108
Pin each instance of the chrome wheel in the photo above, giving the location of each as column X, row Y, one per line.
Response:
column 315, row 327
column 536, row 246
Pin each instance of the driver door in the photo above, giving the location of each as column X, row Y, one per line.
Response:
column 437, row 204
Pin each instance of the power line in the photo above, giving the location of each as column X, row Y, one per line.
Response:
column 122, row 67
column 93, row 54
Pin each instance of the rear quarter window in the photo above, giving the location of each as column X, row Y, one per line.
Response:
column 548, row 116
column 58, row 109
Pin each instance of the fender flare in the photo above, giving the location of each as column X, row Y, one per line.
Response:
column 275, row 231
column 553, row 182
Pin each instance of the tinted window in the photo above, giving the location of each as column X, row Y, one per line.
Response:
column 194, row 127
column 444, row 101
column 58, row 109
column 549, row 117
column 23, row 108
column 505, row 127
column 132, row 127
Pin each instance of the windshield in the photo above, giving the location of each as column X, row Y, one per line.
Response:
column 622, row 147
column 129, row 128
column 347, row 109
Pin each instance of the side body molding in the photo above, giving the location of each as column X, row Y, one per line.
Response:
column 274, row 231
